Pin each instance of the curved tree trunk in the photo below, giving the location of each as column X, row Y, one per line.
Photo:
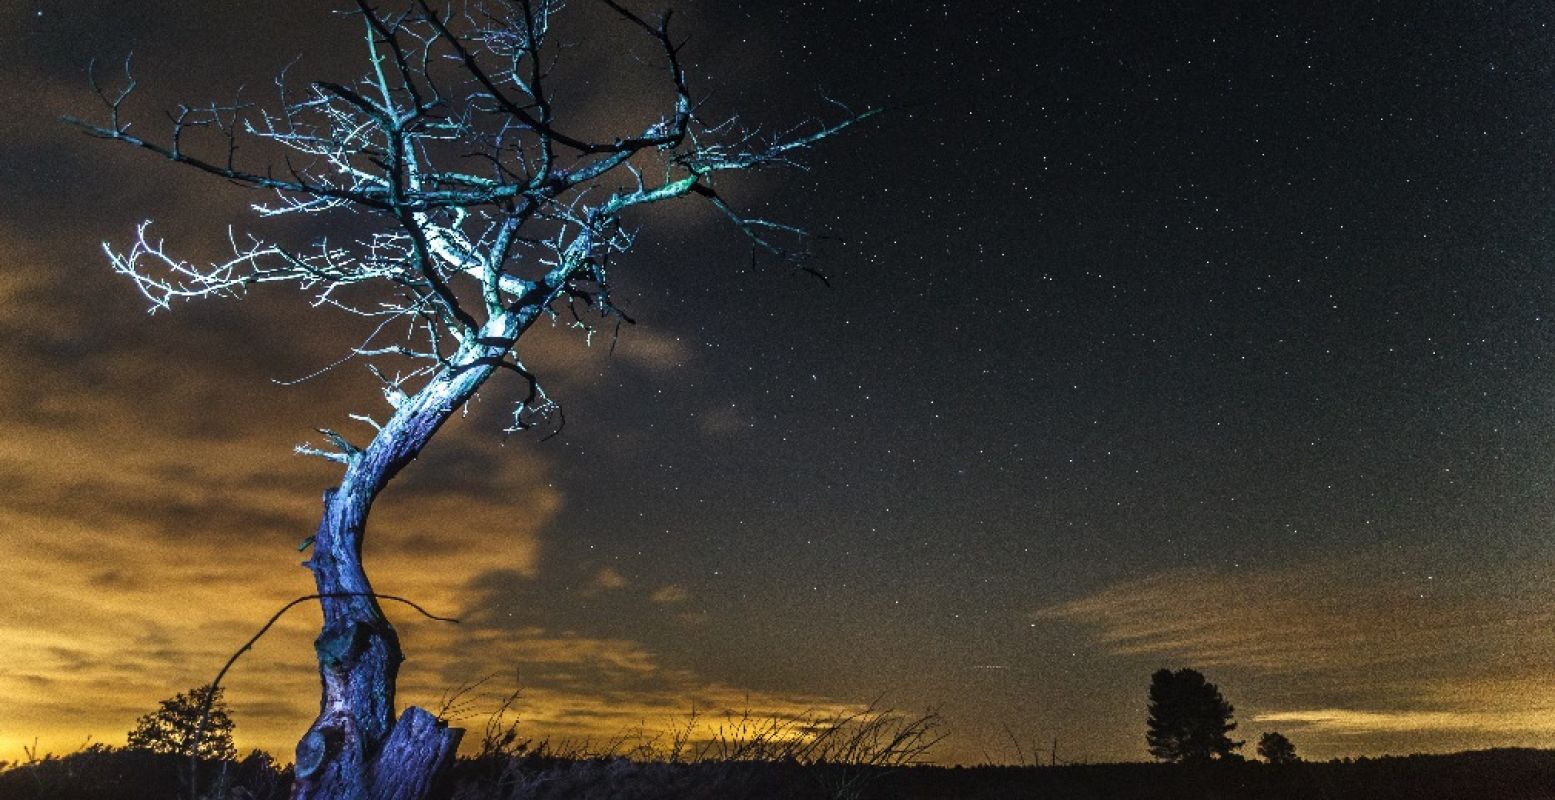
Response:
column 357, row 749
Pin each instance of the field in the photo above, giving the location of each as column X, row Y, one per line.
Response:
column 113, row 774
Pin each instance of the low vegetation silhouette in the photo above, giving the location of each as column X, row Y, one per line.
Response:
column 872, row 754
column 541, row 772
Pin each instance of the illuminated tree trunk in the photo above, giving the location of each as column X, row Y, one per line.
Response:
column 357, row 749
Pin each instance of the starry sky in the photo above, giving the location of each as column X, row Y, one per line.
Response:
column 1169, row 334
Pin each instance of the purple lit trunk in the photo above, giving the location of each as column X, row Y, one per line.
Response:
column 357, row 749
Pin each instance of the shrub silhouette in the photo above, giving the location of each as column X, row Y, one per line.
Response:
column 175, row 727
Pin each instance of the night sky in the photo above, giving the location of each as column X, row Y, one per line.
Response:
column 1171, row 334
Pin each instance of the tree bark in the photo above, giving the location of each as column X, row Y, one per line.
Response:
column 357, row 749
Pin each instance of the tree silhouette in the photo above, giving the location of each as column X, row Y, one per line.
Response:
column 1189, row 719
column 175, row 727
column 1274, row 748
column 463, row 208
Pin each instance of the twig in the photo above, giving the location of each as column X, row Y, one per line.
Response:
column 215, row 684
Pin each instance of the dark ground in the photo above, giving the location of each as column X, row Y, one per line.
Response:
column 108, row 774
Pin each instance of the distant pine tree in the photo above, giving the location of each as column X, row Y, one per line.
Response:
column 1274, row 748
column 1189, row 719
column 175, row 727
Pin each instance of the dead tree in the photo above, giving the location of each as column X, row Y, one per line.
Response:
column 488, row 214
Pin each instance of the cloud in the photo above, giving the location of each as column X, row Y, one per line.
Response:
column 153, row 508
column 1355, row 723
column 722, row 420
column 1327, row 616
column 608, row 578
column 669, row 595
column 579, row 687
column 576, row 358
column 655, row 351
